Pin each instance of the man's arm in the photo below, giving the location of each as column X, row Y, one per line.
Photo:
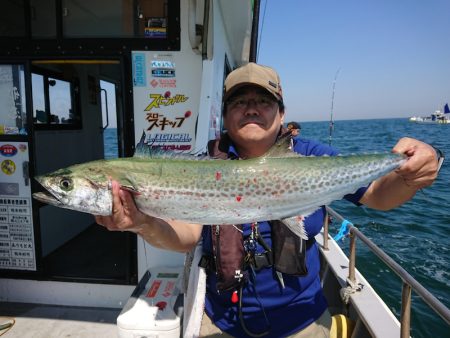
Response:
column 399, row 186
column 170, row 235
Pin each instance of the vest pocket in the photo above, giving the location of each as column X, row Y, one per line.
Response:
column 228, row 250
column 289, row 250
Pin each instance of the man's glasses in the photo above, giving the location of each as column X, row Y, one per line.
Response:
column 241, row 102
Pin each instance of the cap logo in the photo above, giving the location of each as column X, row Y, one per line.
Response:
column 274, row 85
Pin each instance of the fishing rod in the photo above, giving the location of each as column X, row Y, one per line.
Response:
column 332, row 107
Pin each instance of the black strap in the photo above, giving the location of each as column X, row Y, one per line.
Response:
column 261, row 260
column 440, row 157
column 207, row 262
column 241, row 319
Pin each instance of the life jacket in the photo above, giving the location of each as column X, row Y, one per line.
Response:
column 232, row 254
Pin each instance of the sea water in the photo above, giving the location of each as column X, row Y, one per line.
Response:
column 416, row 235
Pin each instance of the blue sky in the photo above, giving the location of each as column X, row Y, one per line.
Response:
column 393, row 56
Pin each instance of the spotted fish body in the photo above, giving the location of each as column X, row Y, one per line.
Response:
column 211, row 191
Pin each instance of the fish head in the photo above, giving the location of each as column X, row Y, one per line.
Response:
column 66, row 188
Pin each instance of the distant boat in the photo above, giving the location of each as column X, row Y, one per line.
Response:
column 438, row 117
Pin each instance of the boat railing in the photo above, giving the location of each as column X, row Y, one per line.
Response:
column 408, row 282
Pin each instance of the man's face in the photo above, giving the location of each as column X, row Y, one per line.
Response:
column 253, row 120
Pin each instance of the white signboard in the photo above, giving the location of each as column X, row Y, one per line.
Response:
column 16, row 217
column 165, row 101
column 12, row 91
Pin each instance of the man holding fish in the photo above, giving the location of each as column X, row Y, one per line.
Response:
column 267, row 296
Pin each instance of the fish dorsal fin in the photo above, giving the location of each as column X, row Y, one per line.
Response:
column 282, row 147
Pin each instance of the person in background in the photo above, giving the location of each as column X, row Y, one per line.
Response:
column 295, row 128
column 269, row 301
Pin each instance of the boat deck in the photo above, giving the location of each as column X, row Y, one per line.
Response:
column 48, row 321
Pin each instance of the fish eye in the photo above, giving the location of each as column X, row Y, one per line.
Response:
column 66, row 184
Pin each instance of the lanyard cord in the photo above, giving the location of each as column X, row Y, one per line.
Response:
column 255, row 235
column 241, row 317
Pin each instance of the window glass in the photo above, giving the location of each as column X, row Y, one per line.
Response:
column 12, row 18
column 152, row 15
column 95, row 18
column 43, row 18
column 120, row 18
column 39, row 113
column 109, row 116
column 54, row 102
column 60, row 102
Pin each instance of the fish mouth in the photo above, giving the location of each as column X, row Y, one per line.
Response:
column 48, row 198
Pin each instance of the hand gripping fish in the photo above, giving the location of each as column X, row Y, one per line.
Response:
column 281, row 185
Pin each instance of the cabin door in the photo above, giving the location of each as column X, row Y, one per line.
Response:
column 77, row 114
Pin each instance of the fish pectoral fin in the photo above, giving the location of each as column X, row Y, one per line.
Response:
column 296, row 225
column 282, row 148
column 130, row 189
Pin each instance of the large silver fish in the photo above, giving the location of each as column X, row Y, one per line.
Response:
column 280, row 185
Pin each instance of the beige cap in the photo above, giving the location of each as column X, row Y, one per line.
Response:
column 253, row 74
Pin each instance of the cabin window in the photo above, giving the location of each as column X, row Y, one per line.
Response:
column 12, row 19
column 97, row 18
column 54, row 102
column 96, row 25
column 152, row 16
column 120, row 18
column 43, row 18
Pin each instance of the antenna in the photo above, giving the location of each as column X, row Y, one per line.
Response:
column 332, row 107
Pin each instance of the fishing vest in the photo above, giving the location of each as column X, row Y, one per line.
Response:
column 232, row 255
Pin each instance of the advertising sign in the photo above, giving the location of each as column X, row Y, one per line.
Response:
column 16, row 218
column 165, row 108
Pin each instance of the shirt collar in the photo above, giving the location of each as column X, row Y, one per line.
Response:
column 232, row 152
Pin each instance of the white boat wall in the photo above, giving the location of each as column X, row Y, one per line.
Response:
column 199, row 80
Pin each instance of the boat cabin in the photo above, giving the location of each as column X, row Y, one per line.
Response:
column 81, row 81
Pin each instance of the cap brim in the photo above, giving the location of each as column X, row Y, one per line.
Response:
column 233, row 90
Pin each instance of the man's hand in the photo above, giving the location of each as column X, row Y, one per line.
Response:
column 125, row 215
column 170, row 235
column 399, row 186
column 422, row 166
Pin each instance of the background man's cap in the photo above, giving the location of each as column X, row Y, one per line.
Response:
column 294, row 125
column 253, row 74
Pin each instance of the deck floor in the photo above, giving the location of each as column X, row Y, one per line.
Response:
column 49, row 321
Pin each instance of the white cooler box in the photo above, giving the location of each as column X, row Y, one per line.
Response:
column 153, row 309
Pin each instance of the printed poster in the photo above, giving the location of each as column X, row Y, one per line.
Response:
column 17, row 249
column 165, row 108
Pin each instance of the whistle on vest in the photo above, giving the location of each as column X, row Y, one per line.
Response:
column 238, row 275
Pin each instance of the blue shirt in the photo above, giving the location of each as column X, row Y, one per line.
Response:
column 265, row 304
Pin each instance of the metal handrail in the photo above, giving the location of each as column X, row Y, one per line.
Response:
column 106, row 108
column 408, row 282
